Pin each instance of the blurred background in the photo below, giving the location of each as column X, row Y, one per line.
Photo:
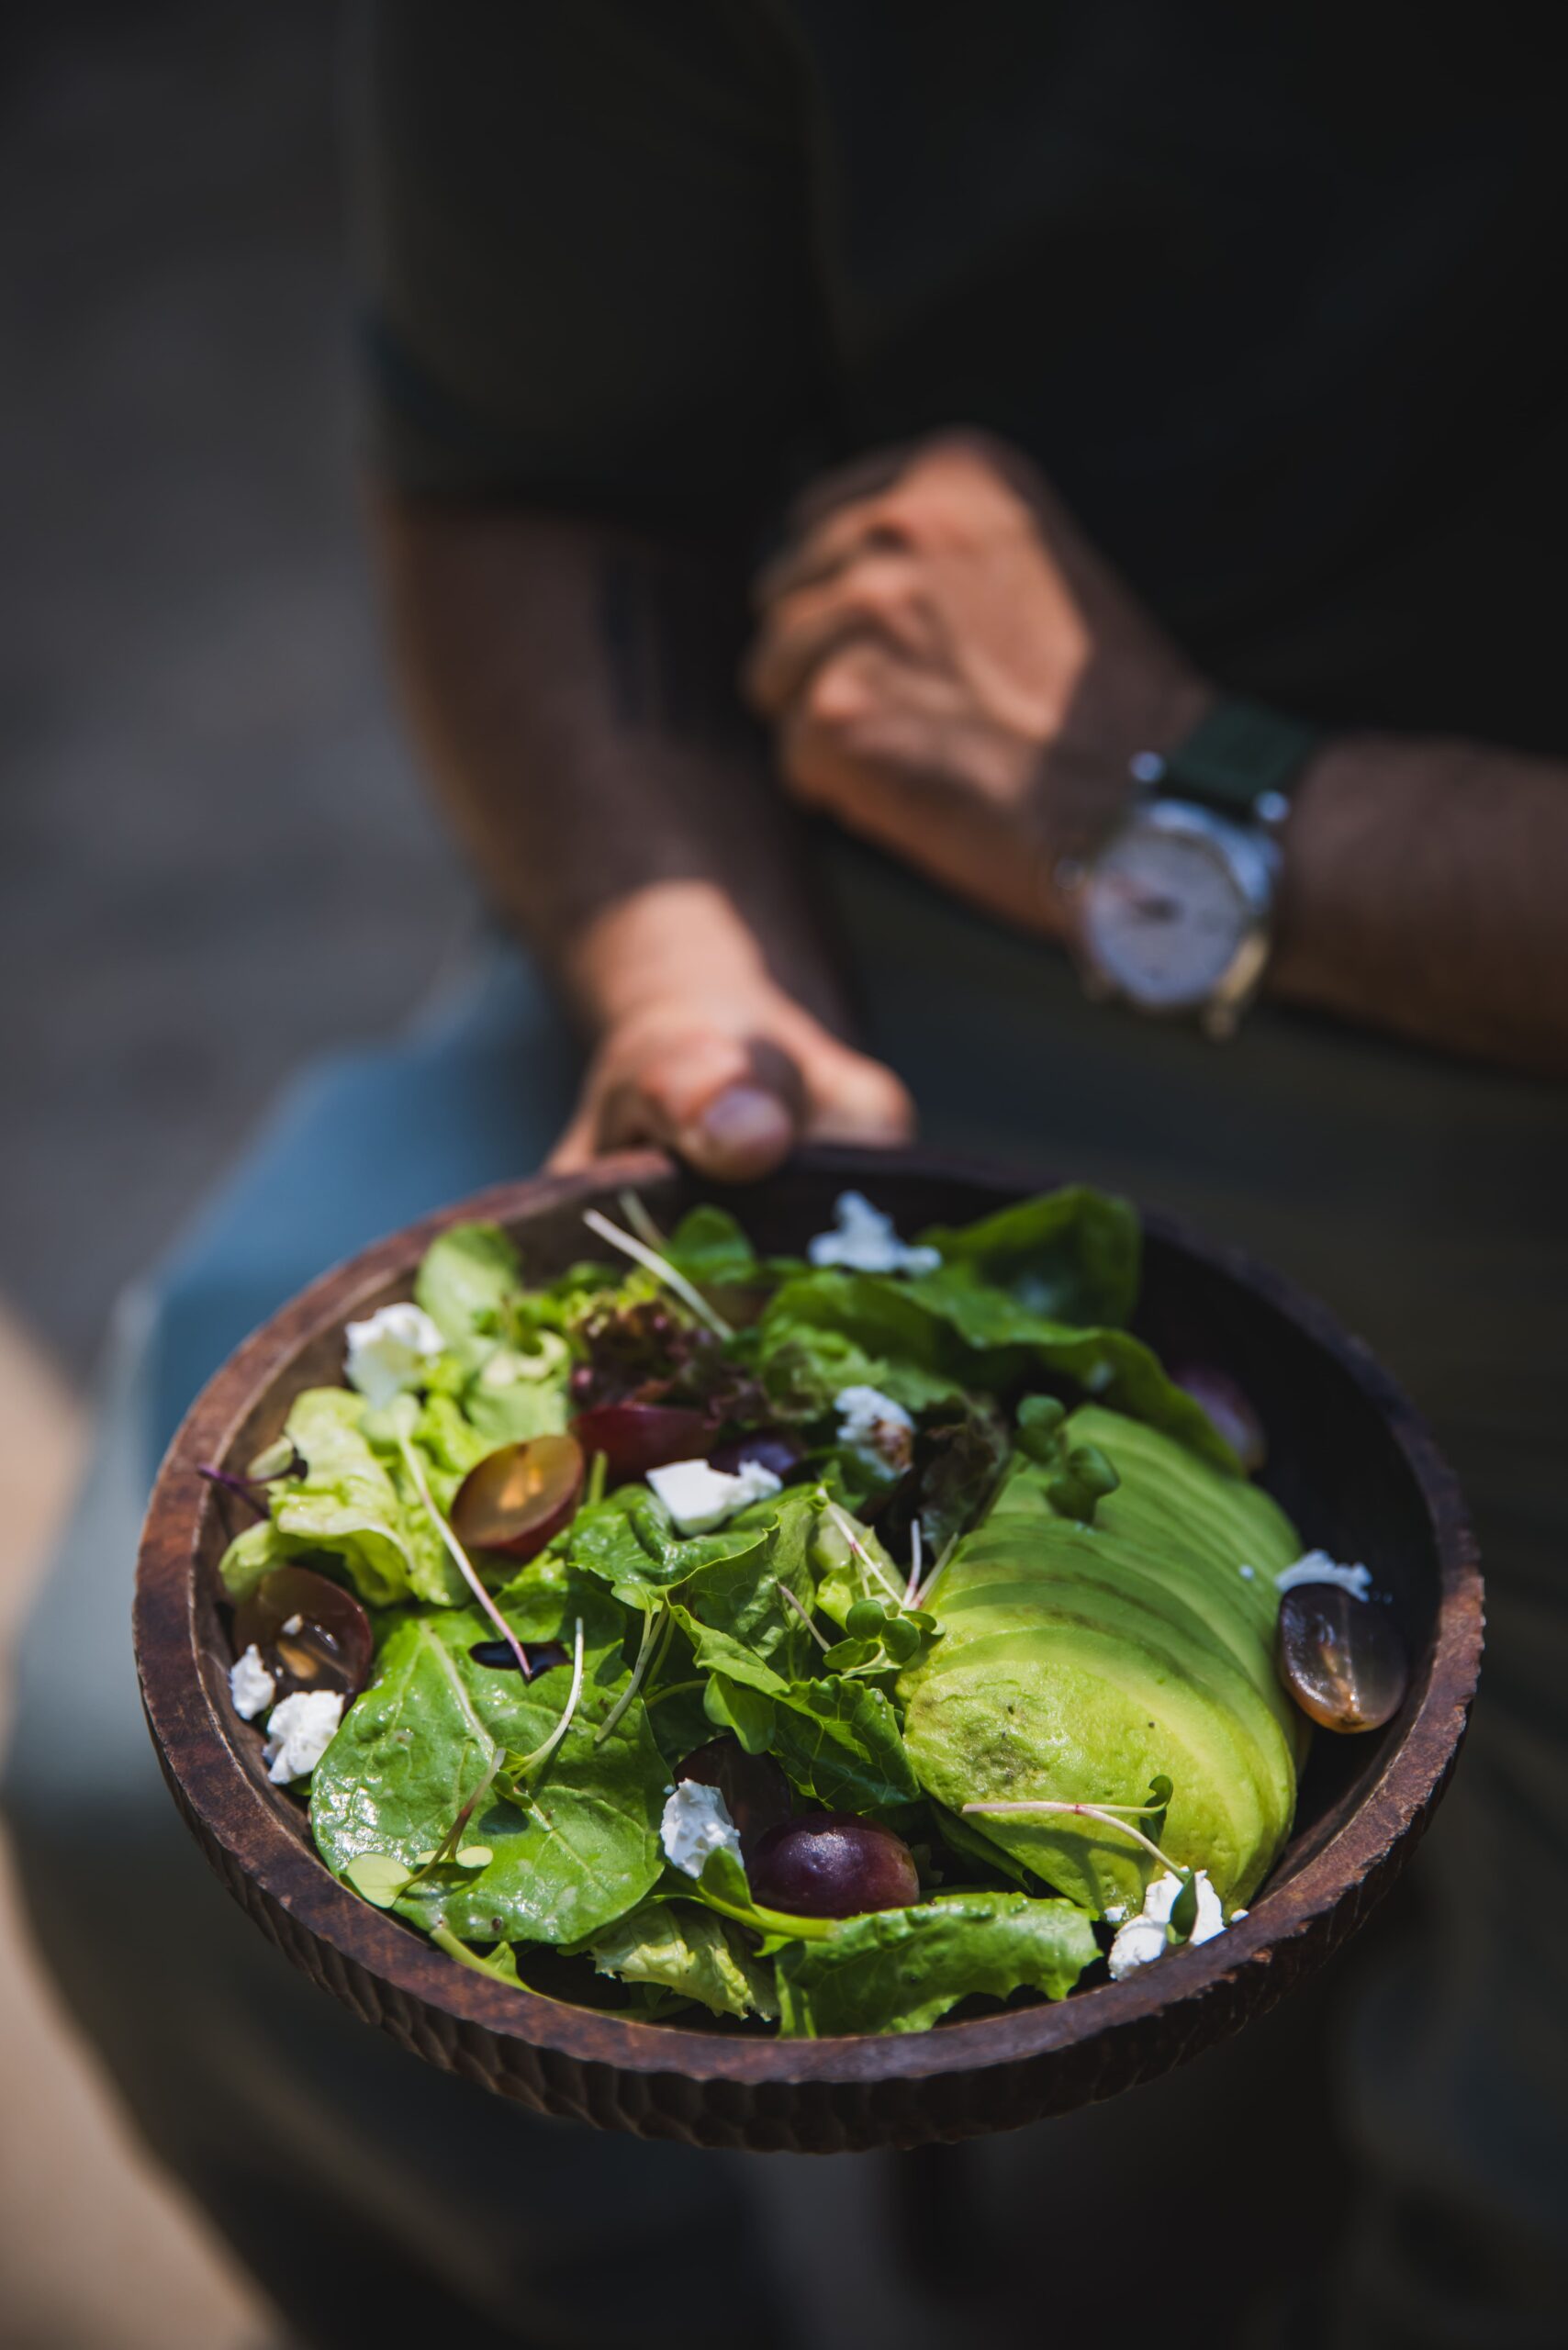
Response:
column 193, row 725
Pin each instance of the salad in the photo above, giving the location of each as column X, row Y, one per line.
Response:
column 818, row 1642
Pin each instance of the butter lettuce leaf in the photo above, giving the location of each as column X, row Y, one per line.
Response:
column 901, row 1970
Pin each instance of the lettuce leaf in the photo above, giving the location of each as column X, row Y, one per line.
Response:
column 1067, row 1255
column 687, row 1950
column 900, row 1970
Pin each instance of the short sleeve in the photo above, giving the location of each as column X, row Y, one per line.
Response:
column 584, row 251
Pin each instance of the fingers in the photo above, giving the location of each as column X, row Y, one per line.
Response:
column 874, row 599
column 730, row 1108
column 733, row 1108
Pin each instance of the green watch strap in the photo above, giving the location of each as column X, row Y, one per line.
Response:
column 1240, row 756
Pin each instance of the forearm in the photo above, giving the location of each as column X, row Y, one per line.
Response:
column 570, row 687
column 1424, row 891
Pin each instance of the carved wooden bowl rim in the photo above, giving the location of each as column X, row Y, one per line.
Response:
column 187, row 1709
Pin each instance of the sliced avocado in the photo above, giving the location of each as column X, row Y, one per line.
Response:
column 1079, row 1663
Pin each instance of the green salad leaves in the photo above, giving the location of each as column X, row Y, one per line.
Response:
column 974, row 1604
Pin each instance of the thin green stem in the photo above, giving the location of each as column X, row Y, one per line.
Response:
column 543, row 1753
column 1100, row 1812
column 466, row 1566
column 790, row 1600
column 657, row 1626
column 661, row 1268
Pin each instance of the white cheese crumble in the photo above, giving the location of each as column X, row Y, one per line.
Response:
column 699, row 1497
column 299, row 1732
column 294, row 1626
column 697, row 1822
column 872, row 1424
column 1145, row 1938
column 863, row 1240
column 250, row 1685
column 1316, row 1566
column 389, row 1351
column 1247, row 1573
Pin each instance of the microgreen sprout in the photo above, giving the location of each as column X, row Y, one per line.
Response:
column 242, row 1488
column 657, row 1626
column 541, row 1753
column 634, row 1209
column 661, row 1268
column 845, row 1524
column 599, row 1470
column 1106, row 1814
column 937, row 1571
column 465, row 1565
column 911, row 1588
column 787, row 1597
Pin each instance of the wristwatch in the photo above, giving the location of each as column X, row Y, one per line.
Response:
column 1173, row 912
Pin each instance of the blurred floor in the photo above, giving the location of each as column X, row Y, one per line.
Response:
column 154, row 2281
column 214, row 858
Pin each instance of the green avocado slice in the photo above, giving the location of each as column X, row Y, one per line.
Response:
column 1080, row 1662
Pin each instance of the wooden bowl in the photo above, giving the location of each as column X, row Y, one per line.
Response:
column 1347, row 1458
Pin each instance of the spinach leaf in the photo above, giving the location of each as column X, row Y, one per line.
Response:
column 579, row 1852
column 1070, row 1256
column 959, row 1333
column 839, row 1741
column 689, row 1950
column 708, row 1247
column 900, row 1970
column 628, row 1538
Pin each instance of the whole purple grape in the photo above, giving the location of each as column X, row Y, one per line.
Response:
column 830, row 1864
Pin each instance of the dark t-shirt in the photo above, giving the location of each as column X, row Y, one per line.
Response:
column 1270, row 293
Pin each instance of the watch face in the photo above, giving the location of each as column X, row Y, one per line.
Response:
column 1168, row 906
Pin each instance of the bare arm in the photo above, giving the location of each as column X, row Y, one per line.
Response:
column 571, row 689
column 954, row 672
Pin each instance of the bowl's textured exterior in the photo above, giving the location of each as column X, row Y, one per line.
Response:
column 1349, row 1457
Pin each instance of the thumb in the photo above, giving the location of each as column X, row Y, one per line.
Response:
column 731, row 1108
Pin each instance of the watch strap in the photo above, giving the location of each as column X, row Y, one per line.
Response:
column 1241, row 757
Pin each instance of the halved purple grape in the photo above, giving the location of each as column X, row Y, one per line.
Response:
column 755, row 1792
column 635, row 1438
column 1230, row 1409
column 772, row 1448
column 831, row 1864
column 520, row 1496
column 312, row 1634
column 1340, row 1658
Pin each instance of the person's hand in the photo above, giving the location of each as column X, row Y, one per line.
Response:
column 701, row 1052
column 952, row 672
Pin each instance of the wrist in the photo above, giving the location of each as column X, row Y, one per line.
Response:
column 1086, row 784
column 671, row 952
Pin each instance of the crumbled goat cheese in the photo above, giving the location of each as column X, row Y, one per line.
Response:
column 1318, row 1567
column 871, row 1423
column 295, row 1625
column 1210, row 1919
column 250, row 1685
column 863, row 1239
column 299, row 1732
column 696, row 1822
column 1145, row 1938
column 699, row 1497
column 389, row 1352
